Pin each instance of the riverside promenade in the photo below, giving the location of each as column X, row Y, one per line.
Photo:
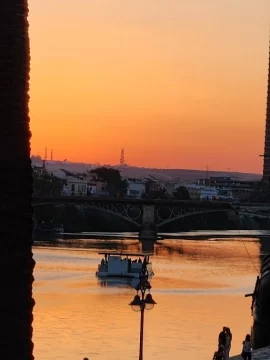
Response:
column 259, row 354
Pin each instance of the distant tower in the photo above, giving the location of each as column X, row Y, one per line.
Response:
column 51, row 155
column 122, row 158
column 45, row 158
column 266, row 155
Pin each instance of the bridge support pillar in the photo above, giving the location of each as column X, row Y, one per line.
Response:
column 148, row 230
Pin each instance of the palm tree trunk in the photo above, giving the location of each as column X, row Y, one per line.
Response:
column 16, row 262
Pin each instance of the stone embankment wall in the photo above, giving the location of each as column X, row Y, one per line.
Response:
column 260, row 354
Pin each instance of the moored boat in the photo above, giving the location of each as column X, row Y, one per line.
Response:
column 123, row 264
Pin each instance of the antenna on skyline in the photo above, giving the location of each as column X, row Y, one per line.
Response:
column 45, row 158
column 51, row 155
column 122, row 158
column 206, row 172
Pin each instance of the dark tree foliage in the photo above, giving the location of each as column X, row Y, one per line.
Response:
column 16, row 261
column 181, row 193
column 116, row 186
column 46, row 184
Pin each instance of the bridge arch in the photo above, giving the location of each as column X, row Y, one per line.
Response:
column 108, row 211
column 181, row 216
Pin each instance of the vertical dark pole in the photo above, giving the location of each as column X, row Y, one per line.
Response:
column 141, row 331
column 142, row 287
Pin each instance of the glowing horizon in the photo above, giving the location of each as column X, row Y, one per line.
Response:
column 177, row 84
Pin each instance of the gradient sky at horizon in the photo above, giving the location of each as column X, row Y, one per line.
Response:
column 177, row 83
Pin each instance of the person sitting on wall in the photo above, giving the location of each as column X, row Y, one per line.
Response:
column 219, row 355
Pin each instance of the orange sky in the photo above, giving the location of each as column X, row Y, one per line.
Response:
column 177, row 83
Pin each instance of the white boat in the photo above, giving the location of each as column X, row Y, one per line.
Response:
column 123, row 264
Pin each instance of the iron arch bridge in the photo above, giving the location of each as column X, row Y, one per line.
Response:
column 167, row 215
column 136, row 211
column 127, row 211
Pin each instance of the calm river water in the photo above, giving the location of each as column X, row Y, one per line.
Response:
column 199, row 286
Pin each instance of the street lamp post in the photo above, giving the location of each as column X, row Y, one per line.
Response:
column 142, row 302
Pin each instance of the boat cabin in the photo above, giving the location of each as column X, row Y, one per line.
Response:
column 123, row 264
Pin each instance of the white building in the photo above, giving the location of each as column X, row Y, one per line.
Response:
column 91, row 188
column 75, row 186
column 136, row 188
column 200, row 192
column 209, row 193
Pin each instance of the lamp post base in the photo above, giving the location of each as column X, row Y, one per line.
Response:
column 141, row 333
column 148, row 234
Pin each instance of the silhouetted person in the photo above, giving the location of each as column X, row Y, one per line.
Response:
column 219, row 355
column 228, row 343
column 247, row 348
column 222, row 338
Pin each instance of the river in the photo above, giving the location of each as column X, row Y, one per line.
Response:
column 199, row 287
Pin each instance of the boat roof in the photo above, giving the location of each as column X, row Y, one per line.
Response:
column 125, row 253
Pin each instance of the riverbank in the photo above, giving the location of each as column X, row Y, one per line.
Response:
column 259, row 354
column 193, row 235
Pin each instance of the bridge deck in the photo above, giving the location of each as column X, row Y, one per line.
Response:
column 163, row 202
column 168, row 202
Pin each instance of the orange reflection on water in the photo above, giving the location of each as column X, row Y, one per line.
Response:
column 199, row 287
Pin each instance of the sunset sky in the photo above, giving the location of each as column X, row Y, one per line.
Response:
column 177, row 83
